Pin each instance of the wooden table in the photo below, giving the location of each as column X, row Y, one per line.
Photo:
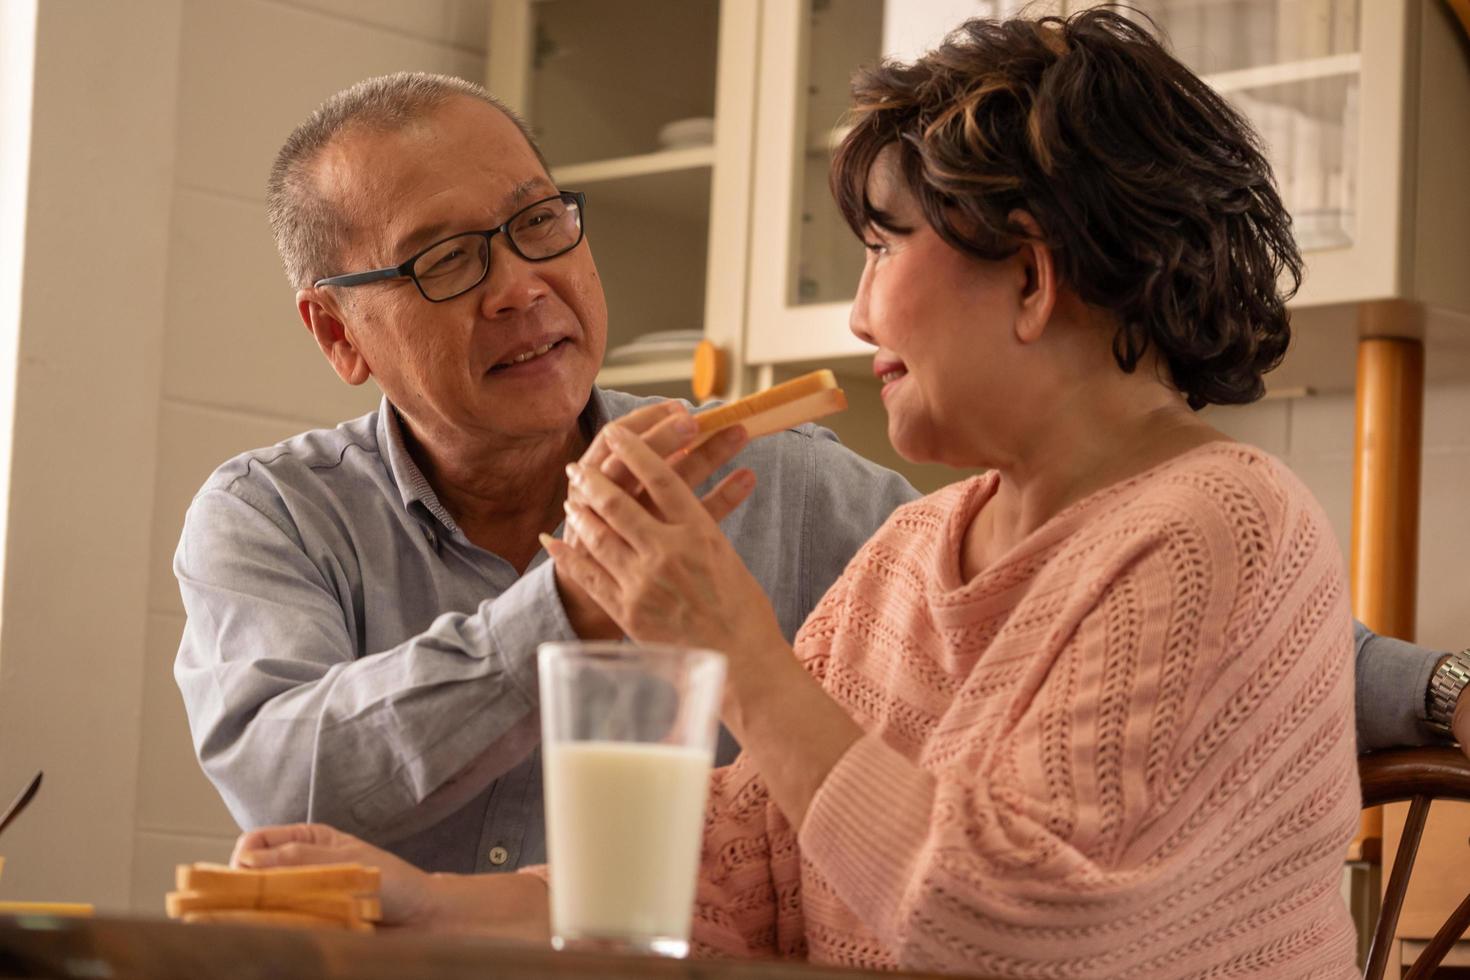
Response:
column 48, row 948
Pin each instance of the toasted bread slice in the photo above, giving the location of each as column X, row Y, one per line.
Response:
column 330, row 905
column 783, row 406
column 46, row 908
column 217, row 879
column 265, row 917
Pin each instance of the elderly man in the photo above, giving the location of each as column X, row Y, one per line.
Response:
column 364, row 603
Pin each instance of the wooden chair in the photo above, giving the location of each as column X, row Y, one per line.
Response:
column 1418, row 776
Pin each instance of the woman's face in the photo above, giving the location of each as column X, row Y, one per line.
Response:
column 943, row 323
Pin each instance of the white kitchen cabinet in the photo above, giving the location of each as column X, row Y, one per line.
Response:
column 601, row 82
column 1364, row 108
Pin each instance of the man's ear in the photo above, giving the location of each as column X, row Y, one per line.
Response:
column 1039, row 290
column 322, row 315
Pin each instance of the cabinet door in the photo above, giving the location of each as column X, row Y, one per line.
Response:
column 805, row 263
column 1303, row 71
column 1306, row 73
column 646, row 106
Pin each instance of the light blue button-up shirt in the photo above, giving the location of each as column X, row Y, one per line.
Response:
column 350, row 657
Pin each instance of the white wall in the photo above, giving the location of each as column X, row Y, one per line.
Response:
column 85, row 414
column 17, row 65
column 155, row 125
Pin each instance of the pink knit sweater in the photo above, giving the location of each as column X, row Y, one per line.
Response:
column 1124, row 750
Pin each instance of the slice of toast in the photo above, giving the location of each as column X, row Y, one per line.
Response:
column 46, row 908
column 327, row 905
column 253, row 886
column 782, row 406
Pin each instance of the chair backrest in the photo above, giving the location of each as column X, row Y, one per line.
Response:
column 1417, row 776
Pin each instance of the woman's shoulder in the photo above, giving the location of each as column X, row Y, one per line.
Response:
column 1225, row 512
column 935, row 514
column 1225, row 485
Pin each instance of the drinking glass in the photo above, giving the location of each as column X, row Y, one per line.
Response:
column 628, row 738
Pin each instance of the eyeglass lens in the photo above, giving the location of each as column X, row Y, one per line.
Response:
column 542, row 231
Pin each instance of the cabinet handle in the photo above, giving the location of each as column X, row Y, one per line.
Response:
column 711, row 373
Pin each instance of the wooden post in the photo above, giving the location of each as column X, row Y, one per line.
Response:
column 1387, row 454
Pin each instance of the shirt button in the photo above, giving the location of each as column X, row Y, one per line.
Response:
column 498, row 856
column 429, row 537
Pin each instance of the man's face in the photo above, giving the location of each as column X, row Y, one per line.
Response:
column 448, row 366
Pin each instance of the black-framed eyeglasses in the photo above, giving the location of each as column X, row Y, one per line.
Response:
column 453, row 266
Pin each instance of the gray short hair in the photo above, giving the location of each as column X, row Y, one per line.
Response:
column 308, row 226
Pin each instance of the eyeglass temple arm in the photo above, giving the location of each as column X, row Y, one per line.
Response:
column 358, row 278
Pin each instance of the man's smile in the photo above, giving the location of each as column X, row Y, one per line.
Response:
column 529, row 354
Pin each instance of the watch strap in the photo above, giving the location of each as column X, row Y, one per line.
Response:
column 1445, row 684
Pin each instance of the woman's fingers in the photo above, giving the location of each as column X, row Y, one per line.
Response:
column 604, row 543
column 663, row 485
column 666, row 436
column 700, row 463
column 613, row 510
column 574, row 562
column 730, row 493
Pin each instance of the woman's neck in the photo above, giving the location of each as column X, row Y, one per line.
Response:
column 1097, row 436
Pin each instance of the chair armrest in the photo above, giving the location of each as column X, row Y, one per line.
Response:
column 1401, row 774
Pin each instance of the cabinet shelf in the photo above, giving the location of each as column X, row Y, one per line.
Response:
column 648, row 373
column 1332, row 66
column 642, row 165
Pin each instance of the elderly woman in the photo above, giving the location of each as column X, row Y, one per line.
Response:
column 1089, row 714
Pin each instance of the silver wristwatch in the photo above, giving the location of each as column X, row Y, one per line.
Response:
column 1445, row 685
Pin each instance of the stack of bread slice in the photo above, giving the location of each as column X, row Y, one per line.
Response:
column 327, row 896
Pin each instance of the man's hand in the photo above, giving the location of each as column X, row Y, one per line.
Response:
column 406, row 891
column 508, row 906
column 666, row 428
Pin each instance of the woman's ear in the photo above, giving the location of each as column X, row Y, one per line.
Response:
column 321, row 314
column 1039, row 289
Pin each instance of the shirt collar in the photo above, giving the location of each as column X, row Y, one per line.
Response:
column 414, row 487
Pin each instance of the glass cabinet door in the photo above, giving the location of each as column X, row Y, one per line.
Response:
column 631, row 102
column 1294, row 68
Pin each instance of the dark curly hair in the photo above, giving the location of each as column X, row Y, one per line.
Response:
column 1151, row 191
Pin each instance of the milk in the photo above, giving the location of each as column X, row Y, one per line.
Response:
column 624, row 823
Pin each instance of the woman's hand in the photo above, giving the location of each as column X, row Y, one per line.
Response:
column 507, row 906
column 668, row 574
column 666, row 428
column 665, row 572
column 407, row 892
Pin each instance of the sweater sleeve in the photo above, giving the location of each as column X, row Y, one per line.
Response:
column 1184, row 731
column 748, row 902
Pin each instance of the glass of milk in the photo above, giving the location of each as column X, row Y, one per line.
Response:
column 628, row 738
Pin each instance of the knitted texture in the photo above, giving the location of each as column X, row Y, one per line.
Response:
column 1123, row 750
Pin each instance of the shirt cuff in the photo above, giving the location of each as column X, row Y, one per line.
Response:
column 524, row 616
column 1392, row 688
column 866, row 828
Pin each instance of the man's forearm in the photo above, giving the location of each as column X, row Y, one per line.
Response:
column 502, row 906
column 291, row 726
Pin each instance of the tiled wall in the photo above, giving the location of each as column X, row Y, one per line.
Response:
column 239, row 370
